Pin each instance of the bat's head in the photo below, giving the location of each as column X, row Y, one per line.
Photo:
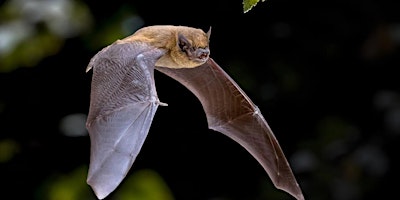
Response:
column 190, row 48
column 193, row 47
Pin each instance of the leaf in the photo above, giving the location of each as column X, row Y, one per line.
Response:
column 249, row 4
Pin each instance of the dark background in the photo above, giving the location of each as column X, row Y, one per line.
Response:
column 324, row 74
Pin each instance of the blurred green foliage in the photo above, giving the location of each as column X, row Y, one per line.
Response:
column 8, row 149
column 33, row 30
column 70, row 186
column 144, row 184
column 122, row 23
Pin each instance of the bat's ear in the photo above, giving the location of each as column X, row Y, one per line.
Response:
column 183, row 42
column 209, row 33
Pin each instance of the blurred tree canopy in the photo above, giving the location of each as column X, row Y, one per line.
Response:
column 324, row 74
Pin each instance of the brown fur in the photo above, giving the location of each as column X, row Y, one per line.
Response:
column 166, row 37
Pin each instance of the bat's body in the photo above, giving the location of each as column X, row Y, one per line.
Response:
column 124, row 101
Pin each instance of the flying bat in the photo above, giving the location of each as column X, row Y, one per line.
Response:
column 123, row 102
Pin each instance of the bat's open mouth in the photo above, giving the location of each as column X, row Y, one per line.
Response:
column 201, row 54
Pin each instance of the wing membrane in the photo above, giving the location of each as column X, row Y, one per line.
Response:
column 122, row 107
column 230, row 111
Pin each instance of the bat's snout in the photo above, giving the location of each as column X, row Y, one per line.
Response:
column 202, row 54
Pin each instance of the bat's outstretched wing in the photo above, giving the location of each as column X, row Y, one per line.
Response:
column 230, row 111
column 123, row 103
